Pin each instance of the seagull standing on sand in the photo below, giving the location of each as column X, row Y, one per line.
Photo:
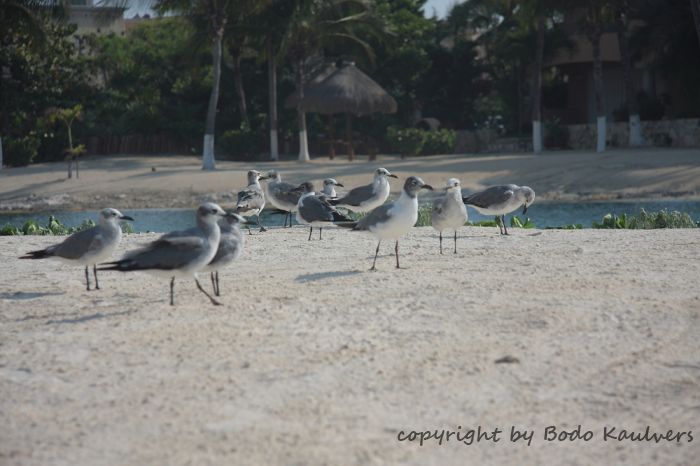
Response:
column 88, row 247
column 315, row 210
column 329, row 185
column 368, row 197
column 178, row 254
column 284, row 196
column 251, row 201
column 501, row 200
column 449, row 212
column 393, row 220
column 230, row 248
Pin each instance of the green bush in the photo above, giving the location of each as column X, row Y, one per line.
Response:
column 647, row 221
column 441, row 141
column 415, row 141
column 19, row 151
column 53, row 227
column 556, row 135
column 241, row 144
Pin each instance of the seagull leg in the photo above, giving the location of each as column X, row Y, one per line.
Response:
column 172, row 291
column 94, row 272
column 440, row 242
column 218, row 288
column 503, row 218
column 213, row 283
column 87, row 277
column 375, row 257
column 455, row 241
column 320, row 232
column 311, row 230
column 213, row 301
column 262, row 228
column 396, row 249
column 248, row 226
column 498, row 223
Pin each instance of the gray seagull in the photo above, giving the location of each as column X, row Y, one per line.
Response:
column 449, row 212
column 88, row 247
column 368, row 197
column 501, row 200
column 329, row 185
column 315, row 210
column 393, row 220
column 179, row 254
column 283, row 196
column 230, row 248
column 251, row 200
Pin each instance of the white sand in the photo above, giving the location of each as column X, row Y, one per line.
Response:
column 127, row 182
column 318, row 361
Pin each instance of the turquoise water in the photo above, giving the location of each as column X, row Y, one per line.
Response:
column 544, row 214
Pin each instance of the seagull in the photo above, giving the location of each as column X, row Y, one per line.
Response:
column 230, row 248
column 315, row 210
column 283, row 196
column 180, row 253
column 391, row 221
column 329, row 185
column 251, row 200
column 88, row 247
column 449, row 212
column 368, row 197
column 501, row 200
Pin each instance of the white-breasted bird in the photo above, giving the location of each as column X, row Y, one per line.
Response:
column 449, row 212
column 393, row 220
column 88, row 247
column 501, row 200
column 329, row 185
column 251, row 200
column 179, row 254
column 368, row 197
column 231, row 245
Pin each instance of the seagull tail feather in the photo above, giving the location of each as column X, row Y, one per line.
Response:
column 41, row 254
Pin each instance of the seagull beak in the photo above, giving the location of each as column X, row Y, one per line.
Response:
column 524, row 209
column 428, row 187
column 392, row 175
column 339, row 184
column 126, row 217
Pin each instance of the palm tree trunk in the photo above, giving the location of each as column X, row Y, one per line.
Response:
column 695, row 6
column 301, row 115
column 537, row 87
column 240, row 92
column 635, row 126
column 272, row 93
column 601, row 121
column 208, row 160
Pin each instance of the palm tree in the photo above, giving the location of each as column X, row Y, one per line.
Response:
column 537, row 86
column 316, row 25
column 215, row 13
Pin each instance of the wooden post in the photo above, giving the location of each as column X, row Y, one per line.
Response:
column 351, row 151
column 331, row 137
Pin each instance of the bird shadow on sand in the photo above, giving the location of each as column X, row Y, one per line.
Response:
column 81, row 319
column 312, row 277
column 23, row 295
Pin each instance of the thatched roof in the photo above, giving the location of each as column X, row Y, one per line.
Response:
column 347, row 90
column 293, row 98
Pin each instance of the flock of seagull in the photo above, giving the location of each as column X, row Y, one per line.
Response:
column 217, row 240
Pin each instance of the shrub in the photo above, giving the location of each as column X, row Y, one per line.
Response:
column 441, row 141
column 407, row 141
column 556, row 135
column 241, row 144
column 19, row 151
column 416, row 141
column 53, row 227
column 647, row 221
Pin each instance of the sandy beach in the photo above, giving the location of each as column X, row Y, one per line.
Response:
column 128, row 182
column 314, row 360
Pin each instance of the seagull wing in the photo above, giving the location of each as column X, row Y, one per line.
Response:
column 492, row 196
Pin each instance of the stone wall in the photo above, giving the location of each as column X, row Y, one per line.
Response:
column 661, row 133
